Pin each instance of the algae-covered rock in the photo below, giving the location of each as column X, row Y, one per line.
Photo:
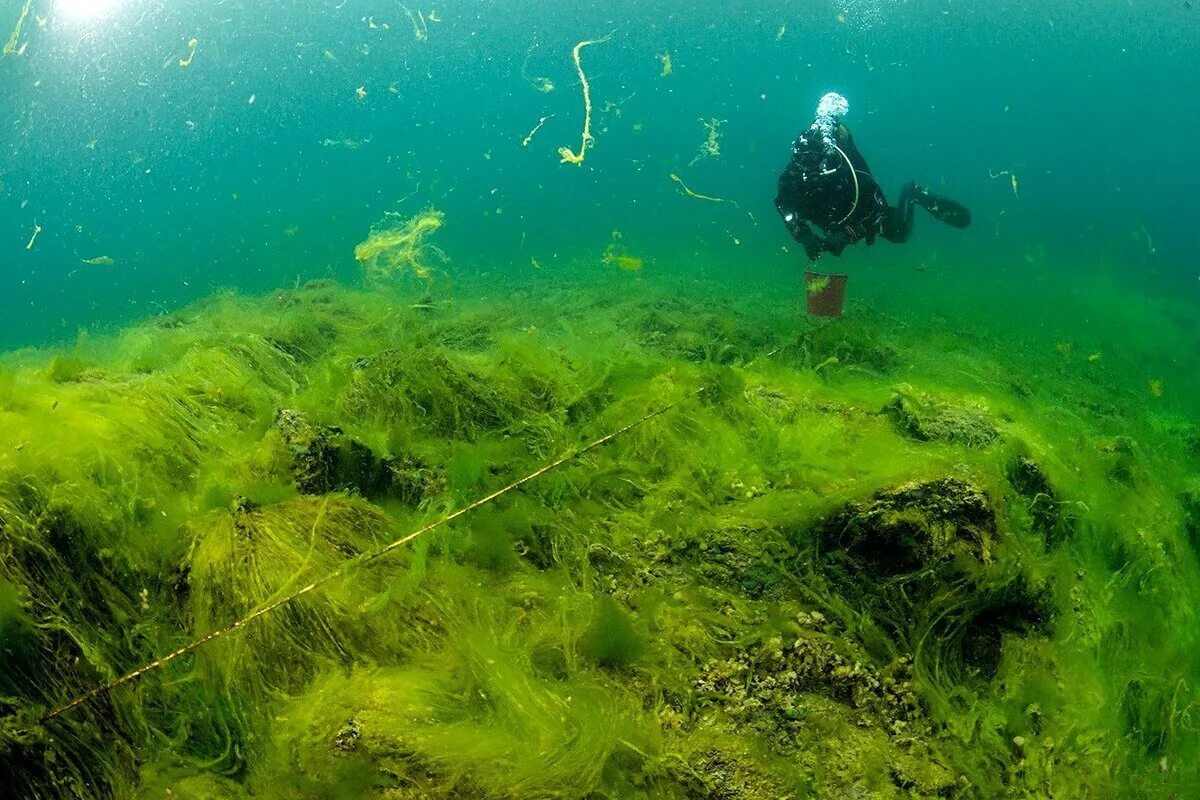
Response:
column 1190, row 436
column 412, row 479
column 770, row 680
column 1190, row 500
column 1045, row 508
column 915, row 525
column 1119, row 457
column 323, row 460
column 927, row 418
column 921, row 558
column 729, row 773
column 819, row 699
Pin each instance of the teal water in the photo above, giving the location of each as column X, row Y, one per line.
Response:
column 218, row 174
column 343, row 538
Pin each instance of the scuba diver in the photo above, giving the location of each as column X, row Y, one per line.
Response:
column 828, row 198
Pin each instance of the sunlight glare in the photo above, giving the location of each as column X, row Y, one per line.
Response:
column 83, row 9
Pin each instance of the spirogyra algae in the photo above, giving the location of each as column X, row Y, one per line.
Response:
column 796, row 588
column 396, row 248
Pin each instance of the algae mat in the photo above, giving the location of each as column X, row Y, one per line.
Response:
column 859, row 564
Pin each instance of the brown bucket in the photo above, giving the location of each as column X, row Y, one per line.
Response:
column 826, row 293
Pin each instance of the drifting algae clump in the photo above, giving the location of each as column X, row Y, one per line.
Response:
column 397, row 246
column 771, row 590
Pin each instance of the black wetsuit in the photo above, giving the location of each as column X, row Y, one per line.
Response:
column 831, row 189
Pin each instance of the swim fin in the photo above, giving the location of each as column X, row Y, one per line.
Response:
column 942, row 208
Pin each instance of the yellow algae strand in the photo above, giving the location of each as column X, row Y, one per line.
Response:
column 187, row 62
column 684, row 187
column 11, row 46
column 627, row 263
column 568, row 155
column 615, row 255
column 541, row 83
column 36, row 230
column 665, row 58
column 1012, row 179
column 529, row 138
column 399, row 248
column 420, row 28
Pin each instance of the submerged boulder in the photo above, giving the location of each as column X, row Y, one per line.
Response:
column 913, row 526
column 928, row 418
column 1046, row 516
column 322, row 459
column 818, row 698
column 1119, row 457
column 919, row 559
column 1190, row 499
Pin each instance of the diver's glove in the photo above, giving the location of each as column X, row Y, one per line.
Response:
column 812, row 249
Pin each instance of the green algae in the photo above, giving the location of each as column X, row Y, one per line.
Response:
column 819, row 579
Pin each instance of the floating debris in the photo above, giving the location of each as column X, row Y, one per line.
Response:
column 569, row 156
column 399, row 248
column 187, row 62
column 529, row 137
column 626, row 263
column 100, row 261
column 711, row 148
column 687, row 191
column 1012, row 178
column 420, row 28
column 615, row 255
column 10, row 48
column 347, row 143
column 541, row 82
